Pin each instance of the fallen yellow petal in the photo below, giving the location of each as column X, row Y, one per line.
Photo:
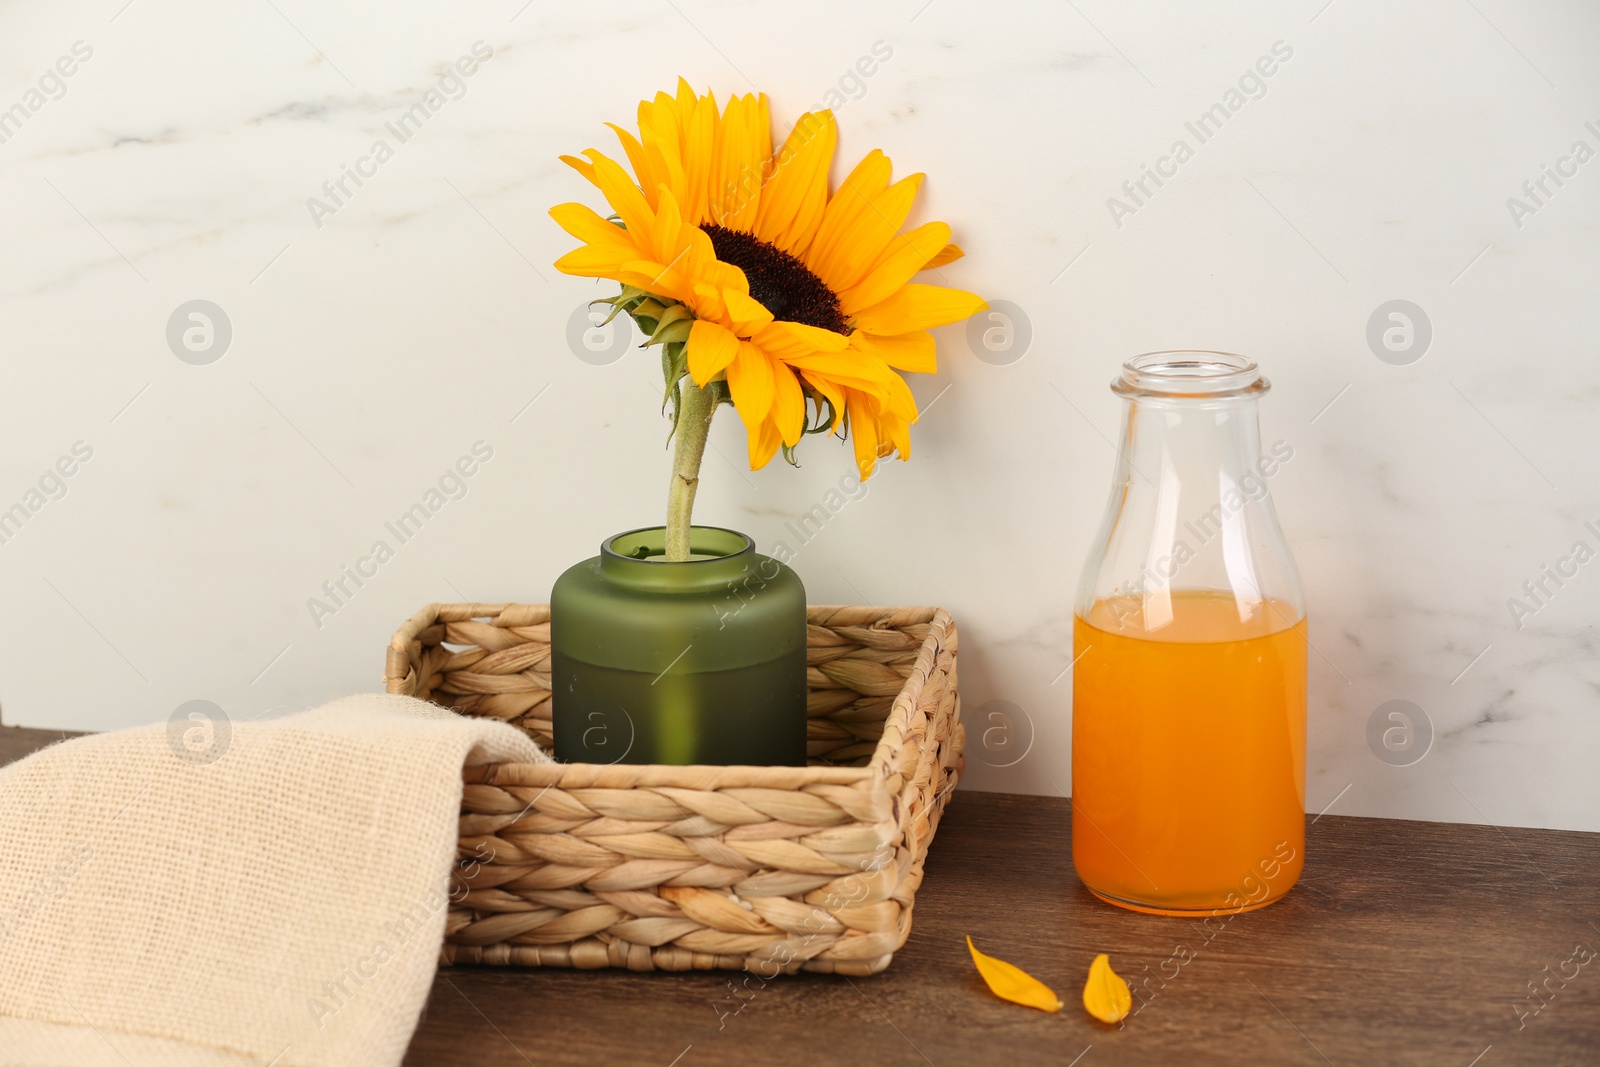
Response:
column 1105, row 994
column 1013, row 983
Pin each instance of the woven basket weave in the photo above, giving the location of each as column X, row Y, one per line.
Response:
column 691, row 868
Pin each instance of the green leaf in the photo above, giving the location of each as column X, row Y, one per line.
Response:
column 672, row 327
column 629, row 300
column 670, row 333
column 815, row 422
column 674, row 367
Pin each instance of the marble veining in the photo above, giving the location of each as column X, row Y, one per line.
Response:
column 372, row 344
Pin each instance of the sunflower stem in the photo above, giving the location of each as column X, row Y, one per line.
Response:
column 696, row 407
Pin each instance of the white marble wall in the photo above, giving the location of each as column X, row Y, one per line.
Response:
column 371, row 351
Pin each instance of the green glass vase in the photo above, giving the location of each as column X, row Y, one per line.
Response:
column 695, row 662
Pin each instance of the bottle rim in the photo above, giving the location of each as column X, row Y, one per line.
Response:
column 1190, row 373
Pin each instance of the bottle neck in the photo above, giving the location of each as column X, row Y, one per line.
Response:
column 1199, row 452
column 1191, row 510
column 1191, row 435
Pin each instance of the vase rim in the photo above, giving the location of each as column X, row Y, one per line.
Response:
column 737, row 544
column 1200, row 373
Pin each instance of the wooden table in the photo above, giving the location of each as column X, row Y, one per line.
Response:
column 1404, row 943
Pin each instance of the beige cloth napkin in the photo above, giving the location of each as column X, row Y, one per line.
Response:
column 249, row 893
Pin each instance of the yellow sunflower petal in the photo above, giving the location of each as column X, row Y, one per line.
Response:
column 698, row 119
column 687, row 99
column 592, row 262
column 1012, row 983
column 887, row 390
column 764, row 440
column 711, row 270
column 621, row 273
column 869, row 237
column 948, row 254
column 750, row 380
column 685, row 260
column 582, row 166
column 786, row 340
column 660, row 279
column 708, row 302
column 667, row 239
column 1106, row 994
column 741, row 146
column 898, row 433
column 637, row 158
column 850, row 201
column 659, row 133
column 746, row 314
column 796, row 192
column 898, row 399
column 621, row 193
column 863, row 434
column 788, row 406
column 677, row 133
column 913, row 352
column 733, row 179
column 845, row 370
column 906, row 255
column 918, row 307
column 584, row 223
column 665, row 168
column 711, row 349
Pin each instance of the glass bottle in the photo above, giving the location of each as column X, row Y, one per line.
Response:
column 701, row 661
column 1189, row 690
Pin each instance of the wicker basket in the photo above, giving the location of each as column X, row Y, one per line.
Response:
column 648, row 867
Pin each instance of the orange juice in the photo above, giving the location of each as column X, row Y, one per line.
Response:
column 1189, row 751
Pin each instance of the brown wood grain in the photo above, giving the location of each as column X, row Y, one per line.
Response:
column 1404, row 943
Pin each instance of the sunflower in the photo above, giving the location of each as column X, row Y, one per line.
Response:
column 760, row 282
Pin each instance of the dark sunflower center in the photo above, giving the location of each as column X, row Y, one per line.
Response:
column 778, row 281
